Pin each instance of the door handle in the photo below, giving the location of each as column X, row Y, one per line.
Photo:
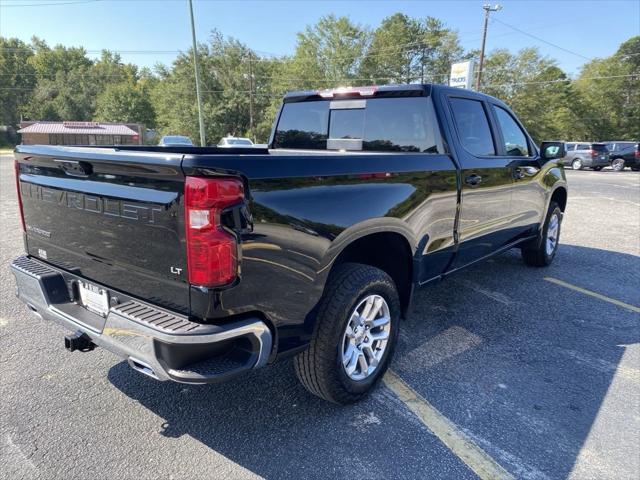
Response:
column 473, row 179
column 528, row 171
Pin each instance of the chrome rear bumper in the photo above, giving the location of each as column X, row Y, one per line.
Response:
column 159, row 343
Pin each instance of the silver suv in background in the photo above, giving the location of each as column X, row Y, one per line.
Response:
column 584, row 154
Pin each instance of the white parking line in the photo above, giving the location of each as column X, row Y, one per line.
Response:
column 448, row 432
column 597, row 295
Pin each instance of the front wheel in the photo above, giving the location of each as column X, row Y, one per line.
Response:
column 576, row 164
column 354, row 337
column 541, row 251
column 618, row 164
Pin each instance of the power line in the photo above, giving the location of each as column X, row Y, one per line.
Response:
column 560, row 80
column 540, row 39
column 48, row 4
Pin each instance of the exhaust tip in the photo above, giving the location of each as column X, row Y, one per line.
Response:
column 142, row 367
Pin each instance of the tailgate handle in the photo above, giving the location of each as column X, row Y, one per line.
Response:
column 75, row 168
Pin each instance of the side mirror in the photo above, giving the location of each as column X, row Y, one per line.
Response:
column 552, row 150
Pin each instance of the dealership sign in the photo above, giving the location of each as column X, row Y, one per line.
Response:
column 461, row 75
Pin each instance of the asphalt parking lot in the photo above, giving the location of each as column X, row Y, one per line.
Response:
column 503, row 371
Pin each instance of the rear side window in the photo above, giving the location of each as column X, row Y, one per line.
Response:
column 401, row 124
column 515, row 141
column 473, row 126
column 584, row 146
column 599, row 147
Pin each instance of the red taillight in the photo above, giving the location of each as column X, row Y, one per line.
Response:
column 212, row 251
column 17, row 169
column 637, row 154
column 593, row 153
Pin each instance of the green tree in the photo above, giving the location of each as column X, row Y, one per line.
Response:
column 231, row 75
column 612, row 105
column 328, row 54
column 17, row 79
column 535, row 88
column 404, row 50
column 124, row 102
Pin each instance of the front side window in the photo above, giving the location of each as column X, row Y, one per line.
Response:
column 473, row 126
column 514, row 139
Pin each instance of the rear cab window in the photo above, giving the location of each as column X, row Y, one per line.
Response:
column 397, row 124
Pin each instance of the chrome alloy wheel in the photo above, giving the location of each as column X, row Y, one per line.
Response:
column 365, row 338
column 553, row 231
column 618, row 164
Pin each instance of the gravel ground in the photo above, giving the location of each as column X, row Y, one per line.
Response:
column 543, row 378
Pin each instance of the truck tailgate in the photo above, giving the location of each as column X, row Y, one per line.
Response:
column 113, row 217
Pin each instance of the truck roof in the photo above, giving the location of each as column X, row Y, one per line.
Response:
column 373, row 91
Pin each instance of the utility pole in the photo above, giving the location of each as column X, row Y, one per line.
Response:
column 487, row 10
column 203, row 141
column 253, row 133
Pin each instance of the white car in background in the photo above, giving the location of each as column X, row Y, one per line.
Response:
column 175, row 141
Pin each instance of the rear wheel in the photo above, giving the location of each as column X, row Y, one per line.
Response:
column 618, row 164
column 576, row 164
column 355, row 335
column 543, row 249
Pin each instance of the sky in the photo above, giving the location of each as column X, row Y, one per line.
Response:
column 146, row 32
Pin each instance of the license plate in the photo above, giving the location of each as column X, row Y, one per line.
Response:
column 94, row 298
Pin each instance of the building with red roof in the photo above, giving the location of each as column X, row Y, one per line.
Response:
column 80, row 133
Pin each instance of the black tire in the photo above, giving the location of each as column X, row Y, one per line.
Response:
column 577, row 164
column 617, row 164
column 320, row 367
column 635, row 169
column 535, row 254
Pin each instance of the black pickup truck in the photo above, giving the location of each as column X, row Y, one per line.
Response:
column 196, row 264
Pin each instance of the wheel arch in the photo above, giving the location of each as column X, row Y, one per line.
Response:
column 560, row 196
column 387, row 244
